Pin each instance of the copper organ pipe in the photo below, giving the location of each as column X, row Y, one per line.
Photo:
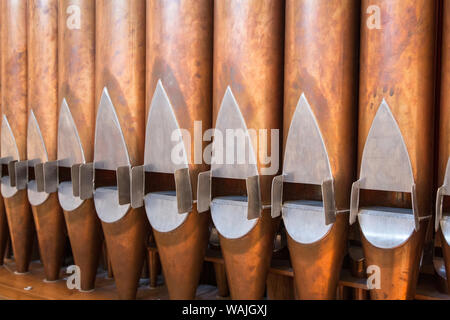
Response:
column 179, row 62
column 247, row 94
column 395, row 157
column 443, row 221
column 320, row 85
column 120, row 90
column 14, row 125
column 76, row 62
column 42, row 129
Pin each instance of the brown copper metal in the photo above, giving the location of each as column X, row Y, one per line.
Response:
column 444, row 136
column 14, row 107
column 248, row 57
column 397, row 64
column 180, row 56
column 3, row 231
column 43, row 101
column 76, row 67
column 321, row 50
column 120, row 67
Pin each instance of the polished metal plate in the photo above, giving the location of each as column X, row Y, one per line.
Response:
column 306, row 158
column 386, row 228
column 137, row 187
column 9, row 152
column 86, row 181
column 305, row 221
column 123, row 175
column 70, row 155
column 183, row 190
column 37, row 155
column 21, row 173
column 385, row 163
column 165, row 151
column 277, row 196
column 253, row 197
column 162, row 211
column 230, row 119
column 204, row 185
column 230, row 216
column 51, row 178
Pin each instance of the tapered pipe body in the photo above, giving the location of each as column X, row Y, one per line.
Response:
column 248, row 60
column 397, row 91
column 120, row 68
column 179, row 55
column 14, row 110
column 76, row 67
column 320, row 64
column 43, row 104
column 444, row 128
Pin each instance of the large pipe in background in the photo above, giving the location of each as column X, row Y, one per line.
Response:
column 120, row 69
column 43, row 129
column 76, row 67
column 247, row 93
column 320, row 98
column 179, row 61
column 14, row 125
column 4, row 232
column 443, row 222
column 396, row 113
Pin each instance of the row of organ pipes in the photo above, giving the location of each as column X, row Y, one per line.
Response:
column 92, row 91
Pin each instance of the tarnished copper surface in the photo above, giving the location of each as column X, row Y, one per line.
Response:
column 126, row 250
column 43, row 101
column 14, row 107
column 182, row 252
column 444, row 129
column 320, row 63
column 51, row 237
column 248, row 57
column 120, row 67
column 397, row 64
column 179, row 53
column 317, row 266
column 3, row 231
column 76, row 55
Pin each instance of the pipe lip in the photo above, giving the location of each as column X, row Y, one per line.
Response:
column 7, row 190
column 68, row 202
column 305, row 222
column 230, row 216
column 445, row 228
column 385, row 227
column 162, row 211
column 106, row 200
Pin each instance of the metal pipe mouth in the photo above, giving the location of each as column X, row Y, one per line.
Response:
column 162, row 211
column 230, row 216
column 107, row 205
column 385, row 227
column 445, row 227
column 304, row 221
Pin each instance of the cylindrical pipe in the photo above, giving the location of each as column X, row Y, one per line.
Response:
column 14, row 111
column 120, row 68
column 321, row 53
column 397, row 67
column 3, row 220
column 248, row 58
column 444, row 128
column 43, row 103
column 76, row 68
column 179, row 54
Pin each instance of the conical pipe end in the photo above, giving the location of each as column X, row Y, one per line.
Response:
column 247, row 260
column 85, row 234
column 317, row 266
column 49, row 221
column 125, row 242
column 446, row 253
column 399, row 267
column 21, row 227
column 182, row 253
column 3, row 231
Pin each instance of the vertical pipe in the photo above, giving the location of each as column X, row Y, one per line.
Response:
column 179, row 55
column 398, row 74
column 14, row 112
column 321, row 53
column 3, row 220
column 43, row 113
column 248, row 59
column 76, row 67
column 120, row 68
column 444, row 127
